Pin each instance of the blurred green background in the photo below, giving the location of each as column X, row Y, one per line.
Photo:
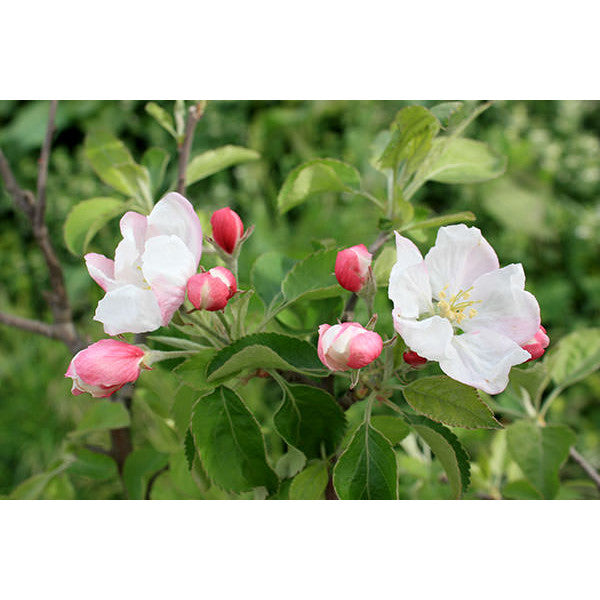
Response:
column 544, row 212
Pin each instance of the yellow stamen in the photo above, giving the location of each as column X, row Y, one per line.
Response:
column 454, row 308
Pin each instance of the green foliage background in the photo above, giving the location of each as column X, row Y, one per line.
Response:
column 544, row 212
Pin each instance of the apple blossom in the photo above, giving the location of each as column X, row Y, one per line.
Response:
column 211, row 290
column 537, row 345
column 352, row 267
column 105, row 367
column 145, row 284
column 459, row 308
column 227, row 229
column 348, row 346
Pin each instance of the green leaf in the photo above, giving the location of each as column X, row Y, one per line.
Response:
column 139, row 466
column 268, row 272
column 315, row 177
column 156, row 161
column 576, row 356
column 520, row 490
column 393, row 428
column 383, row 265
column 103, row 415
column 193, row 371
column 290, row 463
column 465, row 161
column 310, row 419
column 189, row 449
column 540, row 452
column 448, row 450
column 310, row 484
column 466, row 215
column 230, row 443
column 213, row 161
column 93, row 465
column 444, row 111
column 367, row 468
column 413, row 131
column 532, row 380
column 447, row 401
column 87, row 218
column 265, row 351
column 162, row 116
column 311, row 278
column 114, row 165
column 34, row 487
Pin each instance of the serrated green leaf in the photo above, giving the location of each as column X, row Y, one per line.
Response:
column 268, row 272
column 310, row 420
column 113, row 163
column 310, row 484
column 93, row 465
column 216, row 160
column 367, row 469
column 156, row 161
column 413, row 131
column 576, row 356
column 163, row 118
column 465, row 161
column 230, row 443
column 193, row 371
column 393, row 428
column 87, row 218
column 447, row 401
column 264, row 351
column 448, row 450
column 540, row 452
column 139, row 466
column 311, row 278
column 444, row 111
column 103, row 415
column 316, row 177
column 531, row 380
column 290, row 463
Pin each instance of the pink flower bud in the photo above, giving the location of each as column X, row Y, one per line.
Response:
column 213, row 289
column 352, row 267
column 348, row 346
column 104, row 367
column 227, row 229
column 413, row 359
column 538, row 344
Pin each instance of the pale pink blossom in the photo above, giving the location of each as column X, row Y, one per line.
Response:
column 145, row 284
column 211, row 290
column 352, row 267
column 459, row 308
column 348, row 346
column 537, row 345
column 227, row 229
column 105, row 367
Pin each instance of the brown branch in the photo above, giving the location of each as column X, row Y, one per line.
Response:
column 585, row 465
column 23, row 199
column 30, row 325
column 194, row 114
column 43, row 166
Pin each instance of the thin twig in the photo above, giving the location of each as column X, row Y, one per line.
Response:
column 23, row 199
column 30, row 325
column 194, row 114
column 585, row 465
column 43, row 166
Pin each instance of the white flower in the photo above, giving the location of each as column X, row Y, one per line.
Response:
column 459, row 308
column 145, row 284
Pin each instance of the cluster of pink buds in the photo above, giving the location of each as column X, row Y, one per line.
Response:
column 212, row 289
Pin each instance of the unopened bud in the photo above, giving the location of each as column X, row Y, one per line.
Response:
column 227, row 229
column 538, row 344
column 413, row 359
column 211, row 290
column 348, row 346
column 352, row 267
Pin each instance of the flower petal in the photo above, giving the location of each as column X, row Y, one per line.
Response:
column 129, row 309
column 504, row 306
column 409, row 287
column 101, row 270
column 460, row 255
column 174, row 215
column 430, row 338
column 167, row 264
column 483, row 359
column 128, row 254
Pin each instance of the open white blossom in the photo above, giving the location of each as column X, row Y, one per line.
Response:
column 459, row 308
column 145, row 284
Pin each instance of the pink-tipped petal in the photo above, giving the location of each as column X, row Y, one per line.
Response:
column 364, row 349
column 352, row 267
column 101, row 270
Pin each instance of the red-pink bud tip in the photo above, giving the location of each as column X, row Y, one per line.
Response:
column 227, row 229
column 352, row 267
column 348, row 346
column 413, row 359
column 211, row 290
column 538, row 344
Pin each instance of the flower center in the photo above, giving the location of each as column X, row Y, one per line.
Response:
column 456, row 308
